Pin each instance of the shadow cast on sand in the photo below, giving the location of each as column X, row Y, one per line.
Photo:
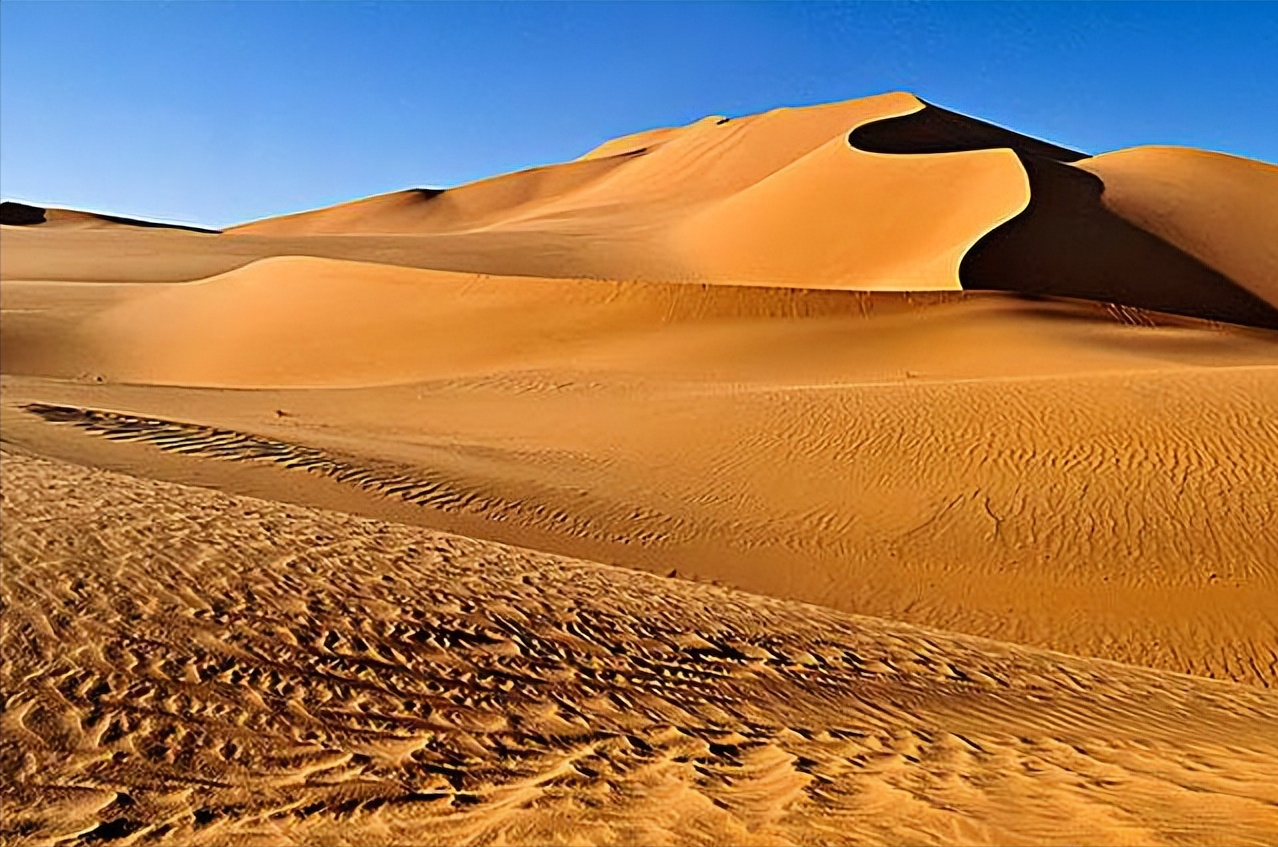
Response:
column 1065, row 243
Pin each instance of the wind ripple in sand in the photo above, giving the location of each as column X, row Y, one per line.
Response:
column 189, row 667
column 419, row 486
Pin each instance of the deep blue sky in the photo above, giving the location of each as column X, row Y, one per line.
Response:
column 213, row 113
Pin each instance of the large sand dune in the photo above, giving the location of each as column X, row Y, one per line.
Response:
column 871, row 358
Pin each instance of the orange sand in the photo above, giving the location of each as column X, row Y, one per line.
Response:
column 939, row 382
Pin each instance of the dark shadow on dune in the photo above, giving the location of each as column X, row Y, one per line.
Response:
column 20, row 214
column 1066, row 243
column 936, row 130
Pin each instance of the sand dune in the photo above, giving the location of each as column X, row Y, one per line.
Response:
column 22, row 214
column 773, row 198
column 772, row 372
column 885, row 192
column 1068, row 241
column 1223, row 210
column 228, row 669
column 974, row 461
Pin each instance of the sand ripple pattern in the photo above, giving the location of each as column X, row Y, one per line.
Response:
column 184, row 666
column 418, row 486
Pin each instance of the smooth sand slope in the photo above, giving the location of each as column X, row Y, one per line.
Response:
column 186, row 667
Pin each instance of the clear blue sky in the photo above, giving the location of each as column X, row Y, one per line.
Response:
column 214, row 113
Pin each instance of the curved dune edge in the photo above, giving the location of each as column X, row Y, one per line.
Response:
column 1220, row 209
column 776, row 198
column 844, row 218
column 322, row 676
column 301, row 321
column 1068, row 242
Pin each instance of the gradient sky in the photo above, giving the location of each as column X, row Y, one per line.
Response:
column 215, row 113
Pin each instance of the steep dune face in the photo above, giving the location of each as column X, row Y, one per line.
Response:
column 1222, row 210
column 1069, row 242
column 840, row 218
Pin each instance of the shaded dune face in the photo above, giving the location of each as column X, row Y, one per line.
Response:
column 22, row 214
column 1066, row 242
column 1220, row 209
column 933, row 130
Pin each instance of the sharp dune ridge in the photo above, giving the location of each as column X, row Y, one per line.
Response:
column 852, row 473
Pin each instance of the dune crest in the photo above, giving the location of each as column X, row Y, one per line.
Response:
column 878, row 193
column 23, row 214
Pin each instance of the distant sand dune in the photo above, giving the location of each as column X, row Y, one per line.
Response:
column 1221, row 209
column 1069, row 243
column 22, row 214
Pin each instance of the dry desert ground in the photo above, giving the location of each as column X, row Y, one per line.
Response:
column 859, row 473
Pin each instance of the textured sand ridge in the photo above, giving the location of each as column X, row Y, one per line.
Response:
column 852, row 473
column 187, row 667
column 1079, row 477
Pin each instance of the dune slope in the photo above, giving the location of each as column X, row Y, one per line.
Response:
column 22, row 214
column 228, row 669
column 1221, row 209
column 882, row 193
column 1079, row 237
column 1054, row 472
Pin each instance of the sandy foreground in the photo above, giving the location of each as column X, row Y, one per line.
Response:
column 205, row 668
column 873, row 474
